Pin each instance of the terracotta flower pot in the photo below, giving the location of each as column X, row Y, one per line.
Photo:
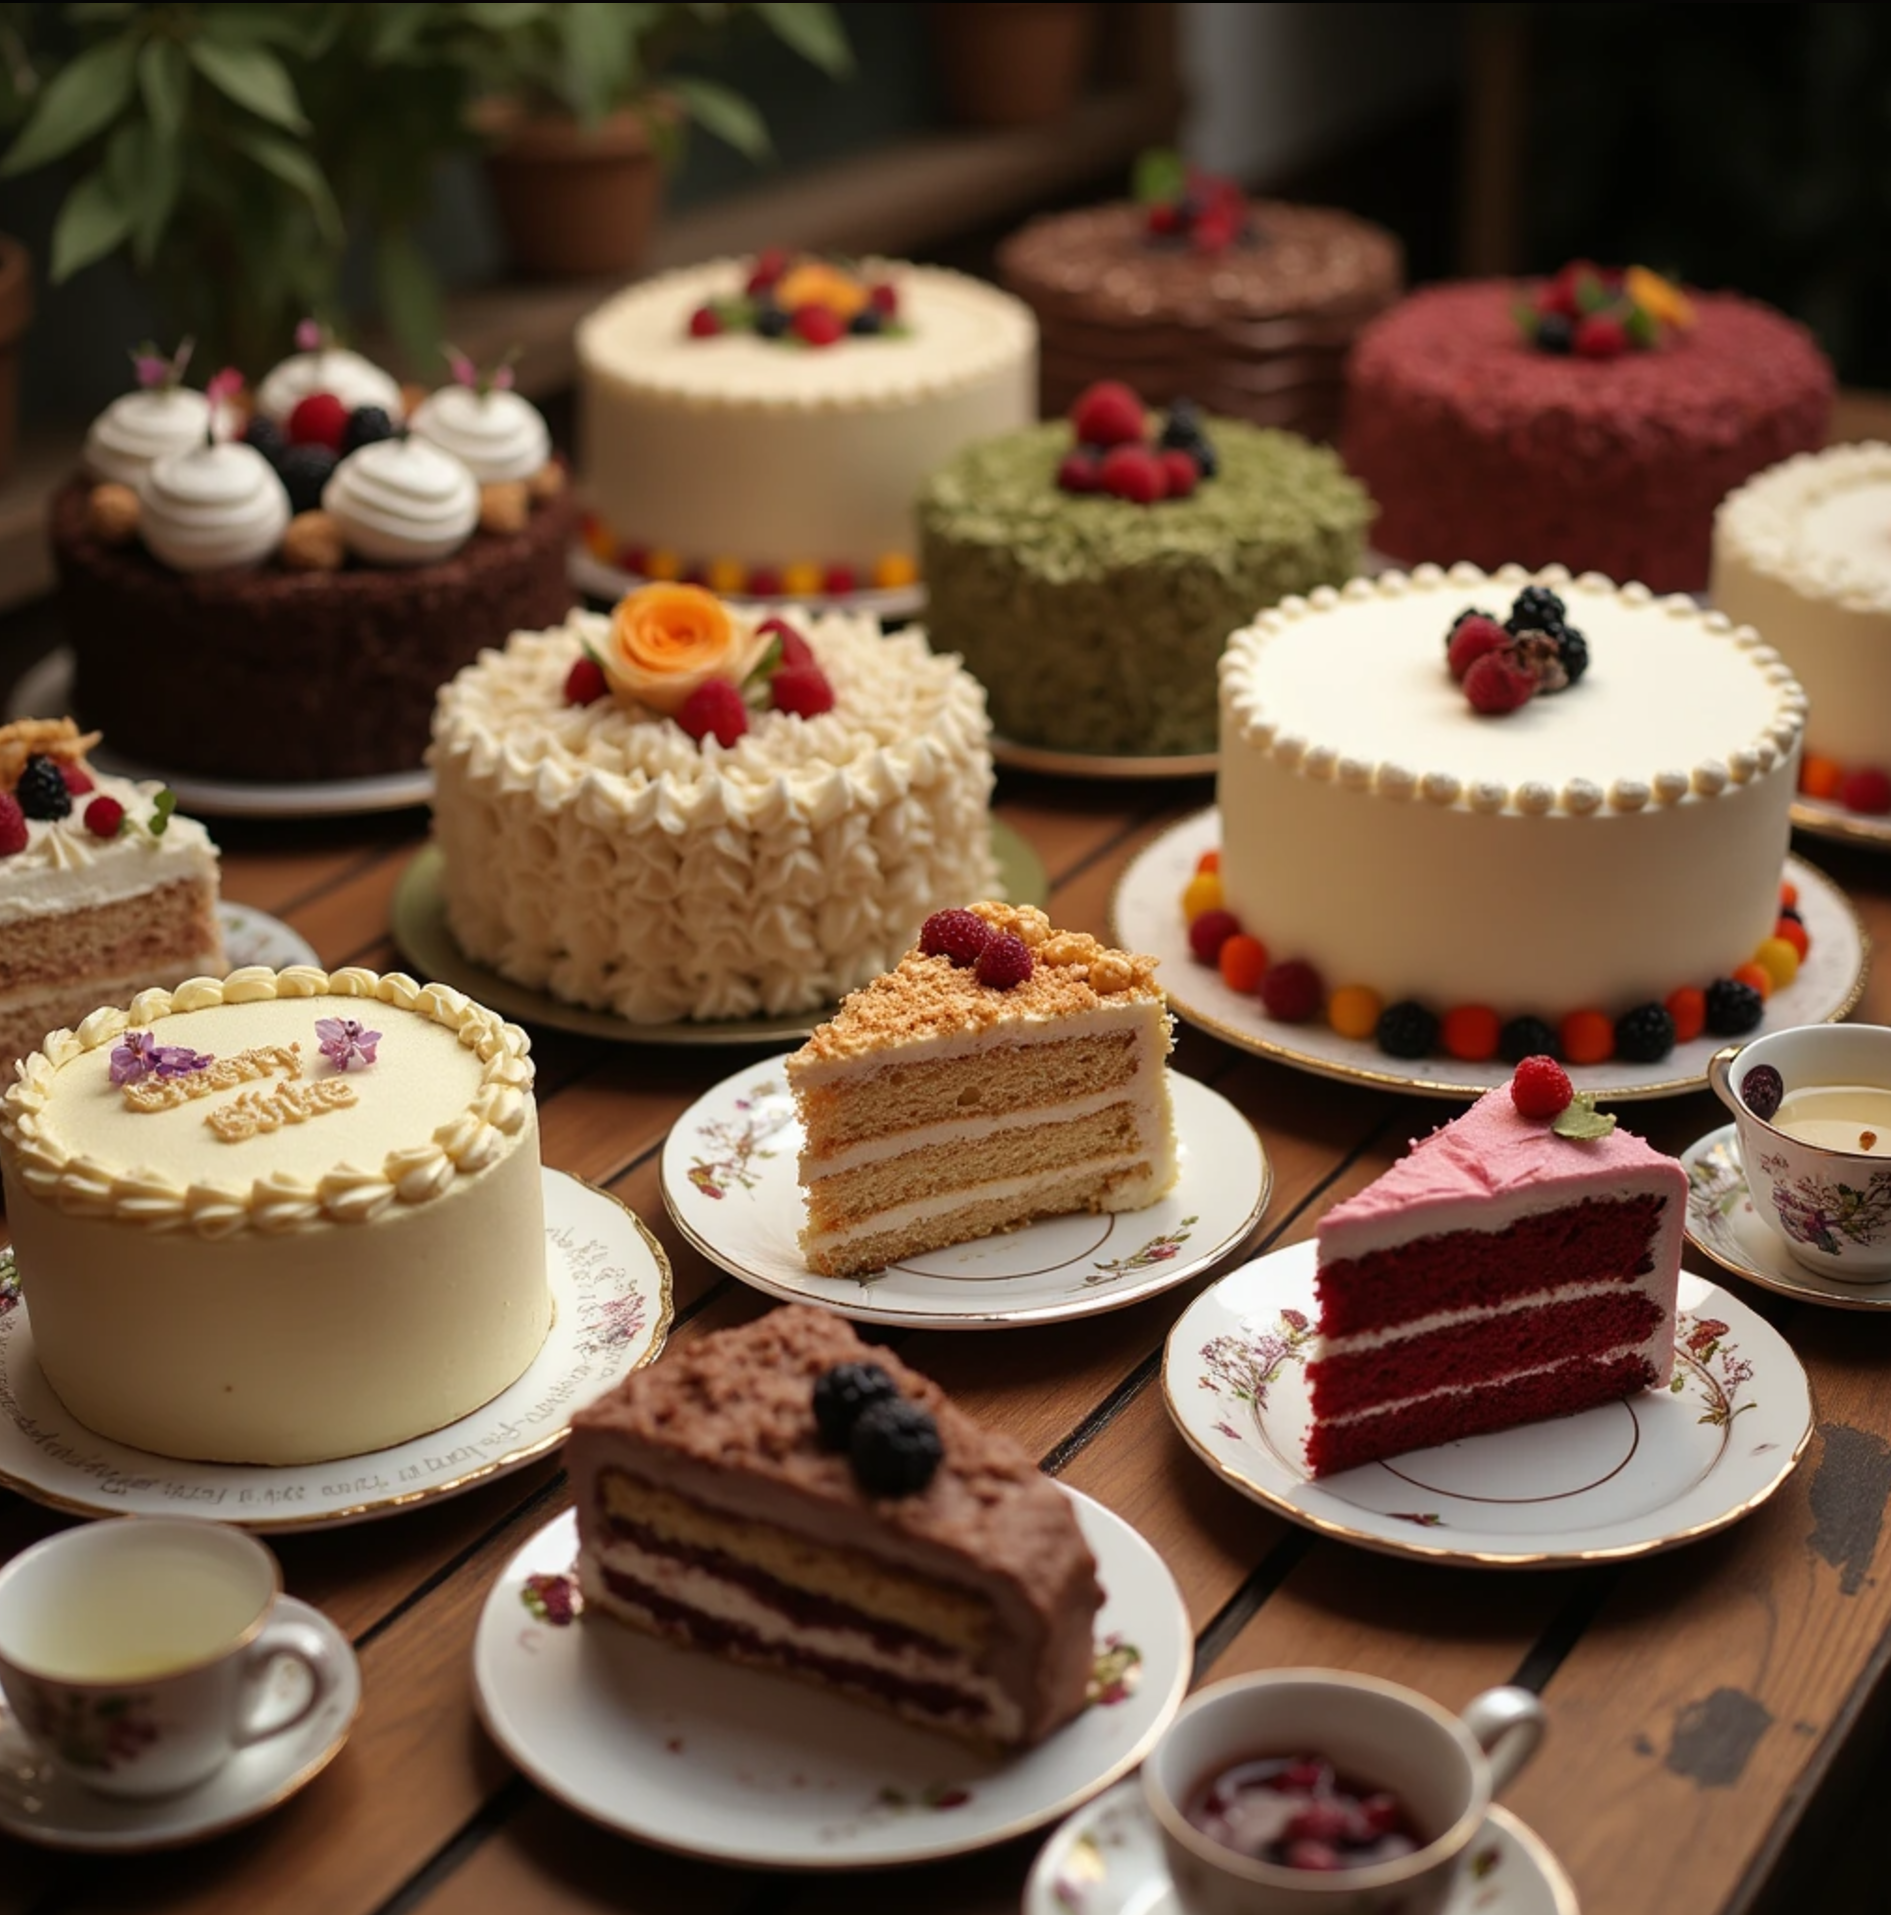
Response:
column 573, row 203
column 16, row 311
column 1011, row 65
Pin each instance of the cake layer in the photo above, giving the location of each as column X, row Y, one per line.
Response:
column 29, row 1016
column 172, row 923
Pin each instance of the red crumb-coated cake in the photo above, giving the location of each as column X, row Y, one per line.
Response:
column 1498, row 1274
column 1478, row 445
column 713, row 1512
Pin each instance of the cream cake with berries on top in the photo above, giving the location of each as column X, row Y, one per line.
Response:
column 1002, row 1071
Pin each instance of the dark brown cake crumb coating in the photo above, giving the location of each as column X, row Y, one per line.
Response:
column 290, row 677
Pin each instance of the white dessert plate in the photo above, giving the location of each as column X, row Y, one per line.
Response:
column 610, row 1286
column 1722, row 1224
column 1107, row 1860
column 1626, row 1479
column 47, row 687
column 731, row 1185
column 735, row 1765
column 592, row 575
column 1146, row 915
column 1089, row 764
column 418, row 922
column 251, row 936
column 1824, row 819
column 41, row 1804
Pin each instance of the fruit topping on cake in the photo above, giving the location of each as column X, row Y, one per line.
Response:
column 1189, row 206
column 803, row 300
column 1117, row 454
column 1594, row 312
column 1535, row 649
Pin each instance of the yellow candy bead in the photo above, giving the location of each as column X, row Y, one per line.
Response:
column 891, row 570
column 663, row 565
column 1353, row 1010
column 1201, row 893
column 1778, row 960
column 801, row 580
column 598, row 541
column 727, row 576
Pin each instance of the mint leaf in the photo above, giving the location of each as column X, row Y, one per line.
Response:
column 1580, row 1119
column 755, row 685
column 1641, row 327
column 1160, row 175
column 1591, row 294
column 161, row 808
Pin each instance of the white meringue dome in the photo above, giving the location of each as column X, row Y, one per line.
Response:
column 495, row 435
column 353, row 380
column 138, row 428
column 402, row 502
column 214, row 508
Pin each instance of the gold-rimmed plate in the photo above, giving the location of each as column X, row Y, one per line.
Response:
column 1649, row 1473
column 1016, row 756
column 1824, row 819
column 1146, row 915
column 599, row 579
column 610, row 1284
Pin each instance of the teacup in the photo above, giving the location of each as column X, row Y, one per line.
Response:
column 1832, row 1207
column 136, row 1654
column 1443, row 1768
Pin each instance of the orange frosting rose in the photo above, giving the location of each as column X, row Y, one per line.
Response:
column 665, row 640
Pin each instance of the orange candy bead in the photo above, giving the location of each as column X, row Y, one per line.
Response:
column 1779, row 960
column 1353, row 1010
column 1820, row 777
column 1588, row 1037
column 1242, row 961
column 1201, row 893
column 1788, row 894
column 1688, row 1008
column 1794, row 933
column 1757, row 976
column 1208, row 861
column 1470, row 1033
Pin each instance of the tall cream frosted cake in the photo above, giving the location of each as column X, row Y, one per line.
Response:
column 1457, row 803
column 280, row 1218
column 766, row 424
column 684, row 810
column 1803, row 552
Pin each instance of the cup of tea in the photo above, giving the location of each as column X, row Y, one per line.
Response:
column 1310, row 1791
column 1812, row 1105
column 137, row 1653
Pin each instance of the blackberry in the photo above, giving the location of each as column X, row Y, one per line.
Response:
column 304, row 471
column 1183, row 431
column 1536, row 609
column 1554, row 333
column 367, row 425
column 42, row 791
column 894, row 1448
column 869, row 319
column 266, row 436
column 842, row 1393
column 1528, row 1037
column 1406, row 1029
column 1574, row 650
column 1733, row 1008
column 1644, row 1035
column 770, row 321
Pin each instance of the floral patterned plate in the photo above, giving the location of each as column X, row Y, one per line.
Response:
column 251, row 936
column 730, row 1185
column 1623, row 1480
column 731, row 1764
column 1723, row 1224
column 1146, row 915
column 610, row 1285
column 39, row 1803
column 1107, row 1860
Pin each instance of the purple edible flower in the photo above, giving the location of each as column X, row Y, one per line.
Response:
column 160, row 372
column 138, row 1056
column 344, row 1043
column 310, row 336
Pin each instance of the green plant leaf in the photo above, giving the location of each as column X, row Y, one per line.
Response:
column 1579, row 1118
column 80, row 100
column 164, row 80
column 409, row 296
column 506, row 16
column 599, row 60
column 254, row 79
column 1160, row 175
column 91, row 223
column 719, row 110
column 395, row 32
column 295, row 166
column 143, row 172
column 815, row 32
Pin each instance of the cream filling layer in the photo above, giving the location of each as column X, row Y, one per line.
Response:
column 1648, row 1346
column 1361, row 1340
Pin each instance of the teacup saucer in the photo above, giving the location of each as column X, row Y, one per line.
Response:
column 1723, row 1224
column 1107, row 1860
column 39, row 1803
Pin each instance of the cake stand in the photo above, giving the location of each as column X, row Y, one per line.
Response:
column 1089, row 764
column 597, row 578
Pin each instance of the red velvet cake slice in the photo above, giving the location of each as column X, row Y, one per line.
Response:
column 787, row 1496
column 1500, row 1273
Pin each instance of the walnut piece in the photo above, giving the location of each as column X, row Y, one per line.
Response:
column 111, row 514
column 503, row 506
column 313, row 543
column 1110, row 972
column 548, row 482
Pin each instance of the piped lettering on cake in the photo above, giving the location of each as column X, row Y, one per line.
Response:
column 164, row 1088
column 257, row 1112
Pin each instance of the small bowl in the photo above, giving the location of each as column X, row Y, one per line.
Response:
column 1831, row 1207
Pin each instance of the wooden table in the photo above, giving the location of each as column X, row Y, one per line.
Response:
column 1703, row 1704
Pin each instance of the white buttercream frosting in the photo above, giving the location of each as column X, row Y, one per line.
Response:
column 495, row 435
column 353, row 380
column 138, row 428
column 215, row 508
column 402, row 502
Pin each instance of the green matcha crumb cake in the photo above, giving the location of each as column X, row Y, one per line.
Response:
column 1090, row 570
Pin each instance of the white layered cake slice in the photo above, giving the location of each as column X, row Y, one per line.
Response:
column 1002, row 1071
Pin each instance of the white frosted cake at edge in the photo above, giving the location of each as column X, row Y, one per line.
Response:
column 246, row 1233
column 1595, row 849
column 1803, row 553
column 766, row 453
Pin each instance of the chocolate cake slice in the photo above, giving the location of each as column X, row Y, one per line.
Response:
column 787, row 1496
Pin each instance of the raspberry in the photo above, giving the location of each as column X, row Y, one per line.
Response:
column 1644, row 1035
column 1761, row 1090
column 1497, row 684
column 1215, row 230
column 1794, row 933
column 1470, row 611
column 840, row 1396
column 1733, row 1009
column 764, row 580
column 1688, row 1008
column 1471, row 638
column 838, row 580
column 1181, row 472
column 1868, row 790
column 884, row 299
column 1318, row 1858
column 714, row 708
column 795, row 650
column 1588, row 1037
column 1540, row 1089
column 77, row 780
column 894, row 1446
column 958, row 935
column 802, row 691
column 1209, row 930
column 1599, row 337
column 41, row 791
column 1526, row 1037
column 1135, row 473
column 1292, row 991
column 1165, row 219
column 705, row 323
column 1242, row 961
column 103, row 816
column 1080, row 471
column 1406, row 1029
column 1004, row 963
column 13, row 833
column 818, row 325
column 1470, row 1033
column 319, row 420
column 1107, row 414
column 1320, row 1822
column 770, row 263
column 585, row 683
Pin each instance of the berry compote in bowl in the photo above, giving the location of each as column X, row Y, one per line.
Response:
column 1309, row 1791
